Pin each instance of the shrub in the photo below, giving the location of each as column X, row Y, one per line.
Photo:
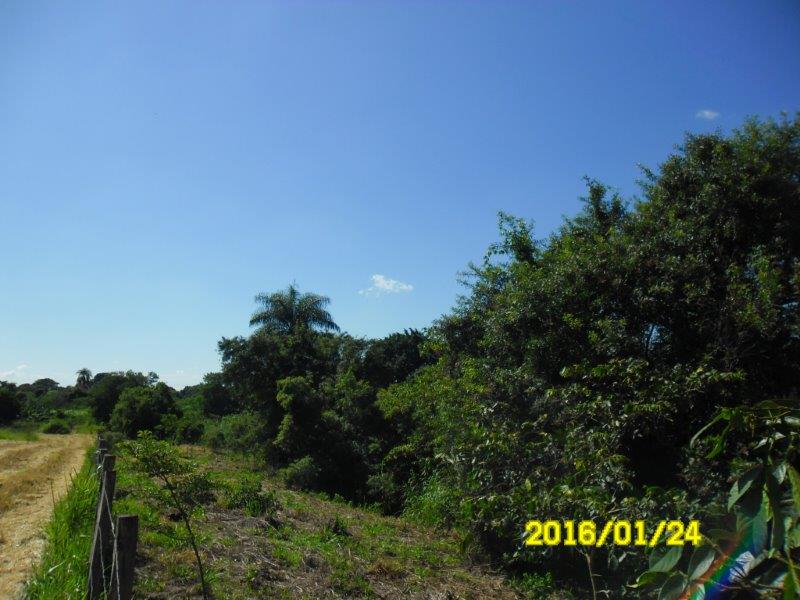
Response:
column 36, row 408
column 247, row 494
column 535, row 586
column 56, row 426
column 240, row 432
column 189, row 428
column 301, row 474
column 434, row 504
column 143, row 409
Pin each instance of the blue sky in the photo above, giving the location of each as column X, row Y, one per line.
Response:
column 163, row 162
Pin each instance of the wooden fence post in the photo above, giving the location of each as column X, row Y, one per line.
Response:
column 124, row 557
column 102, row 540
column 102, row 450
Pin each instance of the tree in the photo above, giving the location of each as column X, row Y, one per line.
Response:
column 289, row 311
column 106, row 390
column 572, row 375
column 42, row 386
column 216, row 397
column 392, row 359
column 179, row 486
column 142, row 409
column 84, row 379
column 10, row 406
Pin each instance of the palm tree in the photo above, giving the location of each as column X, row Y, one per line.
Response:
column 289, row 311
column 84, row 379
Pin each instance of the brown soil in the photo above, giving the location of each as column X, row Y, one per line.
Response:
column 33, row 475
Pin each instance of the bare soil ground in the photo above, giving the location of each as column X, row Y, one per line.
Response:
column 33, row 475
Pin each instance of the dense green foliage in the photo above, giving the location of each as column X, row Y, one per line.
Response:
column 572, row 377
column 10, row 403
column 106, row 390
column 142, row 409
column 759, row 518
column 43, row 404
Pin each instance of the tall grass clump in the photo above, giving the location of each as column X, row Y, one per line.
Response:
column 63, row 569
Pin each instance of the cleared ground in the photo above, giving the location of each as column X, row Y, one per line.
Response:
column 33, row 475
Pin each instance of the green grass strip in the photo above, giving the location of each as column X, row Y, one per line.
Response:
column 62, row 572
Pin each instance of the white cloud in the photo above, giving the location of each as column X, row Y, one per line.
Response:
column 384, row 285
column 707, row 114
column 13, row 372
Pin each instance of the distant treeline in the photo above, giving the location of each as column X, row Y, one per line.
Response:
column 566, row 384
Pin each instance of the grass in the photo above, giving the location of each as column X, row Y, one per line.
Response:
column 62, row 570
column 267, row 541
column 75, row 420
column 23, row 432
column 263, row 541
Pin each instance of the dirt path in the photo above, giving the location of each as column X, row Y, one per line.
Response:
column 32, row 476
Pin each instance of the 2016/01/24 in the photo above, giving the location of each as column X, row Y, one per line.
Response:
column 620, row 533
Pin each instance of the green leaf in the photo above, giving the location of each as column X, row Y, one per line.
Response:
column 791, row 584
column 719, row 444
column 789, row 589
column 794, row 481
column 673, row 587
column 779, row 471
column 794, row 536
column 724, row 415
column 778, row 514
column 664, row 562
column 744, row 483
column 650, row 578
column 755, row 526
column 701, row 560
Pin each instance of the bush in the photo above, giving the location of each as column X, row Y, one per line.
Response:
column 434, row 504
column 535, row 586
column 143, row 409
column 240, row 432
column 56, row 426
column 247, row 494
column 189, row 428
column 36, row 408
column 301, row 474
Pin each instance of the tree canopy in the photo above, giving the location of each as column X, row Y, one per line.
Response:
column 289, row 311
